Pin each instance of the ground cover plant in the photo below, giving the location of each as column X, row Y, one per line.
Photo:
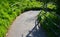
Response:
column 10, row 9
column 49, row 19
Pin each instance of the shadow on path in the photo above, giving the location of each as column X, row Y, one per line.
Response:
column 37, row 31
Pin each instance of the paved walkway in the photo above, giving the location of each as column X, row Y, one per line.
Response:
column 24, row 24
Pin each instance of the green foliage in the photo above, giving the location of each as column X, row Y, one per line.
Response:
column 51, row 6
column 10, row 9
column 50, row 22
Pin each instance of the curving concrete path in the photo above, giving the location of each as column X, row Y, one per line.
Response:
column 23, row 24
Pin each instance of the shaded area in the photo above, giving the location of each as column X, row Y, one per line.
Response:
column 37, row 31
column 50, row 23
